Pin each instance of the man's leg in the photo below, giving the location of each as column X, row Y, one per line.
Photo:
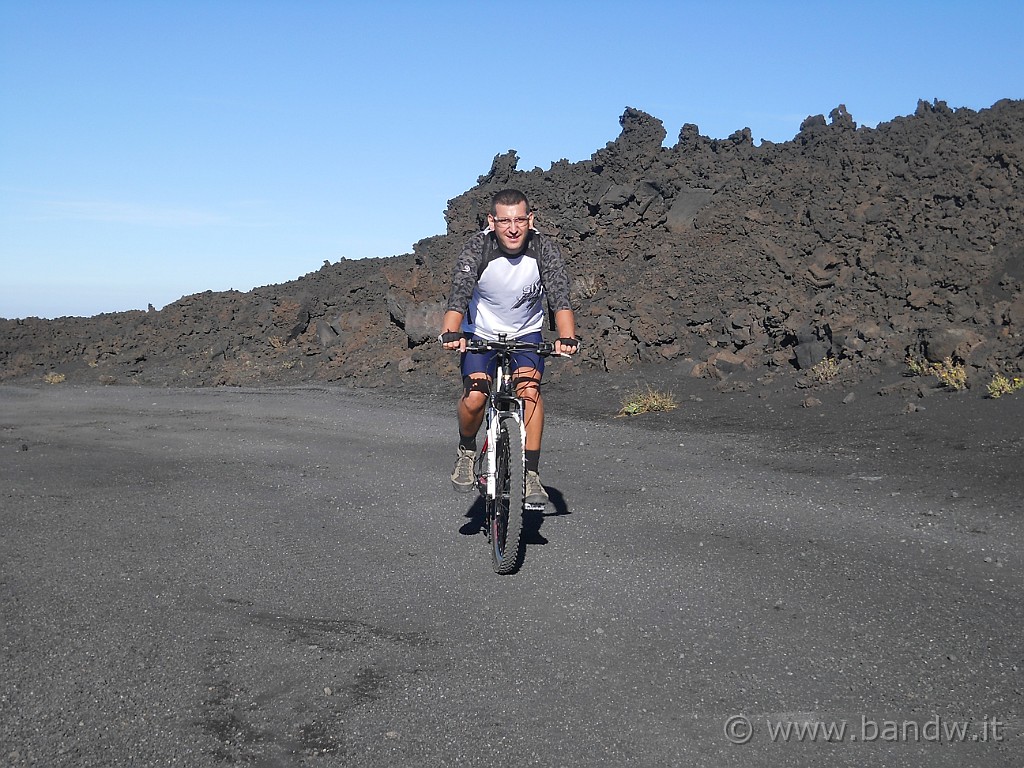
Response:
column 471, row 414
column 527, row 382
column 528, row 387
column 471, row 406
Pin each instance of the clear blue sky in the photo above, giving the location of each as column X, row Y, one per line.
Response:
column 152, row 149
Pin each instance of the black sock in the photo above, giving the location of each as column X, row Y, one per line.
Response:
column 532, row 460
column 467, row 443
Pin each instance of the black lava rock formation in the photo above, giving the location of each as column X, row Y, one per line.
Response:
column 713, row 256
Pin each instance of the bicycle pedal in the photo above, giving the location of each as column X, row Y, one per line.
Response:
column 534, row 507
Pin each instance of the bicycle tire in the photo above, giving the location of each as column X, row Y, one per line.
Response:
column 505, row 512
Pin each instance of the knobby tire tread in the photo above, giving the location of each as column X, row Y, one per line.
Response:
column 507, row 550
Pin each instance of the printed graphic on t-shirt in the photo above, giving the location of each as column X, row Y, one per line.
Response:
column 531, row 293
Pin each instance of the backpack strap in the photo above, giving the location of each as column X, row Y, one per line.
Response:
column 491, row 251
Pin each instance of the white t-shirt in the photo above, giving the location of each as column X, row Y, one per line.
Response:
column 508, row 298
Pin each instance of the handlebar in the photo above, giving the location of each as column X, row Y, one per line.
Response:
column 543, row 349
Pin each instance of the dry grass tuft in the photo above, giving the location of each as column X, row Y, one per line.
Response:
column 647, row 400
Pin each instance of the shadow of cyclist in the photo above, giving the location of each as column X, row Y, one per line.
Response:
column 476, row 518
column 556, row 503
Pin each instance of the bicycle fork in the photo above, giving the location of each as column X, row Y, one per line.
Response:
column 486, row 471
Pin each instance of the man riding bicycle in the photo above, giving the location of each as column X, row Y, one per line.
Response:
column 500, row 280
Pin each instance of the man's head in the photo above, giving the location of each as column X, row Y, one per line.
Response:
column 511, row 220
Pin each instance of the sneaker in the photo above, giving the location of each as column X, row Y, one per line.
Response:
column 535, row 493
column 463, row 477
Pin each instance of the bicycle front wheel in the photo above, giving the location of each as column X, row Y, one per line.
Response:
column 506, row 508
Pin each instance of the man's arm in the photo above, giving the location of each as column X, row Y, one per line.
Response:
column 466, row 272
column 452, row 323
column 565, row 323
column 467, row 269
column 555, row 280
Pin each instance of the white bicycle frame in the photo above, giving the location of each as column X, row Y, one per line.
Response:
column 493, row 423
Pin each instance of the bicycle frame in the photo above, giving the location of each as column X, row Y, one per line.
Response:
column 502, row 401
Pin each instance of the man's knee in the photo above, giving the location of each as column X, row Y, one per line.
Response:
column 527, row 387
column 475, row 391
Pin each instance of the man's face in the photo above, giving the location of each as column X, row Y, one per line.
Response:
column 511, row 225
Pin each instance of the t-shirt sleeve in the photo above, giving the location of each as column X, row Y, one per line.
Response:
column 464, row 276
column 554, row 276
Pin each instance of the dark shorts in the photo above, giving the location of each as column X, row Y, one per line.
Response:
column 486, row 362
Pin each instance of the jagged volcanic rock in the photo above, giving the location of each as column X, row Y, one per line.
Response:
column 712, row 255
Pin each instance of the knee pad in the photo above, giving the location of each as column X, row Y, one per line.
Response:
column 472, row 384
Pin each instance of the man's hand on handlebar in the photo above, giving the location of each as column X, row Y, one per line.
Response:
column 453, row 340
column 567, row 346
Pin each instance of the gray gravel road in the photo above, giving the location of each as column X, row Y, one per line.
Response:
column 284, row 577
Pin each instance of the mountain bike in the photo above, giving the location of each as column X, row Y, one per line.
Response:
column 501, row 463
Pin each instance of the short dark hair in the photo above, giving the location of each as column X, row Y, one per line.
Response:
column 509, row 197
